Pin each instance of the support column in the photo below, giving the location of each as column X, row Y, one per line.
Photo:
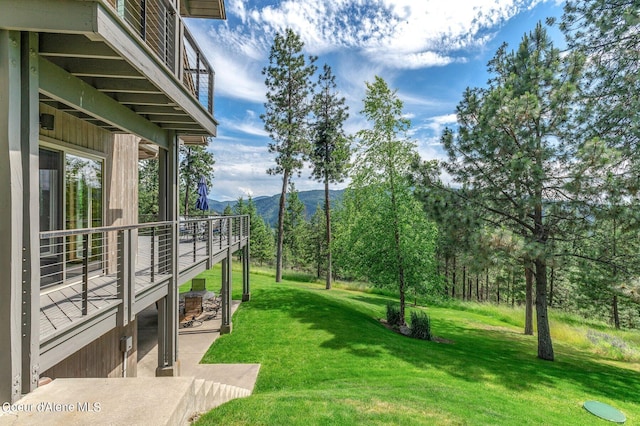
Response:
column 11, row 217
column 168, row 364
column 30, row 120
column 226, row 326
column 246, row 289
column 19, row 214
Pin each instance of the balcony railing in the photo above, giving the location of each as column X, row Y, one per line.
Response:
column 158, row 24
column 86, row 271
column 198, row 75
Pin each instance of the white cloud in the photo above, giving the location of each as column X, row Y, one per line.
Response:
column 399, row 33
column 438, row 123
column 394, row 34
column 251, row 125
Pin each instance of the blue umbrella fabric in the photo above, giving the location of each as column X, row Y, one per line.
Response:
column 202, row 203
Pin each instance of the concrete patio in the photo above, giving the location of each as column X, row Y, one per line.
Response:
column 146, row 399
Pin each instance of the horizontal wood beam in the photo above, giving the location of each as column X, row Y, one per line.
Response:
column 75, row 46
column 119, row 85
column 60, row 85
column 158, row 110
column 60, row 16
column 83, row 67
column 143, row 99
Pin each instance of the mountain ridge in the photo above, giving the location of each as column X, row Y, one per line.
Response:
column 267, row 206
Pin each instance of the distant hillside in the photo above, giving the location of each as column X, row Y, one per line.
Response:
column 267, row 207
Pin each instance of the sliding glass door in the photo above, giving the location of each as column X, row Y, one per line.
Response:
column 70, row 198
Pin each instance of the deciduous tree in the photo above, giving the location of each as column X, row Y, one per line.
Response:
column 391, row 240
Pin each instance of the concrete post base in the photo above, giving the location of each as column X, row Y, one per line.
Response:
column 171, row 371
column 226, row 329
column 246, row 297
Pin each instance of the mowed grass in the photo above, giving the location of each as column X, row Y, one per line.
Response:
column 326, row 359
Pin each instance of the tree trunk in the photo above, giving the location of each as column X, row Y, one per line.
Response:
column 551, row 282
column 464, row 282
column 513, row 289
column 283, row 199
column 401, row 283
column 477, row 287
column 446, row 275
column 453, row 281
column 327, row 213
column 616, row 315
column 528, row 317
column 545, row 346
column 486, row 282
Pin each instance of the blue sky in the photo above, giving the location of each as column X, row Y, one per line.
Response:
column 429, row 50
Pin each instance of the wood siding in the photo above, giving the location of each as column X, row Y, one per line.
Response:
column 101, row 358
column 73, row 131
column 121, row 181
column 121, row 189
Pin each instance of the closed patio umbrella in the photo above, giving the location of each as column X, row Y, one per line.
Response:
column 202, row 203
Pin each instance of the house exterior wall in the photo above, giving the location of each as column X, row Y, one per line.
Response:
column 82, row 57
column 70, row 130
column 100, row 358
column 121, row 189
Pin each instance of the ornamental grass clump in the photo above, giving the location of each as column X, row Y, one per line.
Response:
column 420, row 325
column 393, row 314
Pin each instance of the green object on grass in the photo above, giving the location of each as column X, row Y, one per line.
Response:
column 198, row 284
column 605, row 411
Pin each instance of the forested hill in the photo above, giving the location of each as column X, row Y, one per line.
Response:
column 267, row 207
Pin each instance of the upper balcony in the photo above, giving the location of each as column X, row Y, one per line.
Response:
column 100, row 56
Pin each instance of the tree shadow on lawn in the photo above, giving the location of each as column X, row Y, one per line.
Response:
column 477, row 355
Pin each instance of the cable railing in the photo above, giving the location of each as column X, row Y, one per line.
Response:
column 157, row 24
column 154, row 21
column 84, row 271
column 198, row 75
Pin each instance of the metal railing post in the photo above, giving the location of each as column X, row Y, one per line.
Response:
column 85, row 274
column 122, row 294
column 153, row 253
column 210, row 242
column 195, row 236
column 131, row 274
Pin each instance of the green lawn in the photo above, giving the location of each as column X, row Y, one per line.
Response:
column 326, row 359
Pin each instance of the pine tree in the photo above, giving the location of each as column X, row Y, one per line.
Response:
column 509, row 156
column 289, row 86
column 331, row 150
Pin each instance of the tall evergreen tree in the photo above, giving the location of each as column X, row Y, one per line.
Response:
column 289, row 87
column 331, row 150
column 608, row 125
column 509, row 158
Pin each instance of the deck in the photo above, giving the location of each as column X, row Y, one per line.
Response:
column 87, row 291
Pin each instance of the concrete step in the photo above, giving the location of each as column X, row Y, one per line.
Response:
column 226, row 393
column 128, row 401
column 200, row 395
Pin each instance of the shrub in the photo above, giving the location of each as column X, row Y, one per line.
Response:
column 420, row 325
column 393, row 314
